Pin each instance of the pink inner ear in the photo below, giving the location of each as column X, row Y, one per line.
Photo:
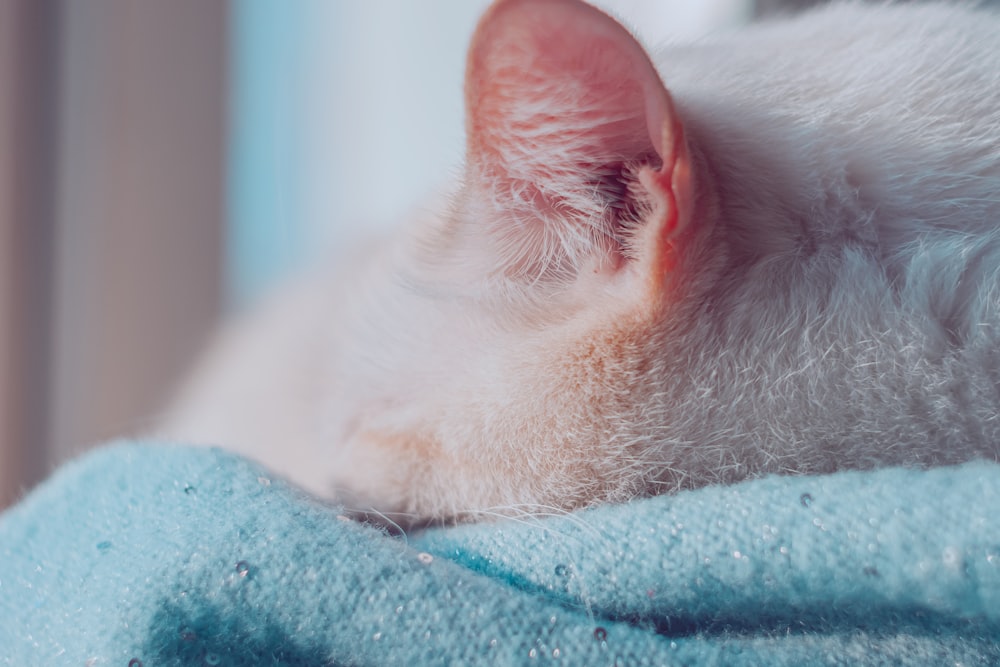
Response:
column 554, row 87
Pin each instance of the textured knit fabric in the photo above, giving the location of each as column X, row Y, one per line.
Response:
column 165, row 555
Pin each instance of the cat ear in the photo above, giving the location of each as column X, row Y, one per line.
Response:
column 573, row 140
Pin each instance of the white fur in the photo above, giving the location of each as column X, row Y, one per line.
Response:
column 841, row 309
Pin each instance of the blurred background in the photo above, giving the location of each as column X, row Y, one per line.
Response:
column 162, row 162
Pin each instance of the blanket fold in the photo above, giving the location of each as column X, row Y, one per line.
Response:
column 143, row 554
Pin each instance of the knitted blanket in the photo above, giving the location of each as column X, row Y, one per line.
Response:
column 142, row 555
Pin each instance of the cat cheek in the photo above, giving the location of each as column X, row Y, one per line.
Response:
column 383, row 466
column 369, row 474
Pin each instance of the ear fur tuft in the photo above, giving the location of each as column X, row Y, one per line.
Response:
column 573, row 142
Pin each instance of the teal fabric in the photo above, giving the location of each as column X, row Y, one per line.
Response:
column 166, row 555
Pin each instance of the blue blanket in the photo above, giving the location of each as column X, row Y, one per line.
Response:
column 155, row 555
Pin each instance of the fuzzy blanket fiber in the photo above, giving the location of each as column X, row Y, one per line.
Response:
column 162, row 555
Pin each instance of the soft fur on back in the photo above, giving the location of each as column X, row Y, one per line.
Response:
column 785, row 261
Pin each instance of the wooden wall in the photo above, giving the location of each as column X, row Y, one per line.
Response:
column 112, row 142
column 28, row 31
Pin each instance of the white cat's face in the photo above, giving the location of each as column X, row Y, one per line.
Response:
column 511, row 344
column 792, row 271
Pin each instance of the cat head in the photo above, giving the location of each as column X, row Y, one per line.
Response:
column 507, row 361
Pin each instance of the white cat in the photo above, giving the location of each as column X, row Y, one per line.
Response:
column 774, row 252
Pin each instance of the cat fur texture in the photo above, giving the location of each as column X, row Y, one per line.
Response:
column 775, row 251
